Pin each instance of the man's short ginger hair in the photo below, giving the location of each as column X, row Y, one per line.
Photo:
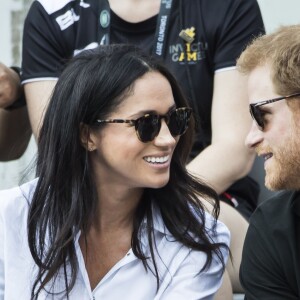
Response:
column 281, row 51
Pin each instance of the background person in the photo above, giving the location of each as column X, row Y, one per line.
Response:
column 94, row 226
column 10, row 89
column 271, row 257
column 15, row 129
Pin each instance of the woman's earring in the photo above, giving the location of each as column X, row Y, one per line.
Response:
column 91, row 149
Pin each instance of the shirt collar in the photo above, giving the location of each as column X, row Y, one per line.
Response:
column 159, row 228
column 158, row 223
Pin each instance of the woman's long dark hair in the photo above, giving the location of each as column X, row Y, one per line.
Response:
column 93, row 84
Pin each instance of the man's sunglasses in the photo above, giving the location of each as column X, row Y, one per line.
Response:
column 258, row 115
column 148, row 126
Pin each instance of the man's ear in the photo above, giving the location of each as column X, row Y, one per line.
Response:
column 86, row 137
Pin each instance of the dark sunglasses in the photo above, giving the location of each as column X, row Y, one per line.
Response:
column 148, row 126
column 258, row 115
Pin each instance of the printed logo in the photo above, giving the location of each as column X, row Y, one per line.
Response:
column 188, row 34
column 67, row 19
column 191, row 51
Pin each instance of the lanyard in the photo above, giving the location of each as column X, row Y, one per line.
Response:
column 163, row 23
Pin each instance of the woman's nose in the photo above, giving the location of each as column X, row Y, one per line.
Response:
column 164, row 136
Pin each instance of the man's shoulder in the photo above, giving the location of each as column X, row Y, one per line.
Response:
column 281, row 199
column 279, row 207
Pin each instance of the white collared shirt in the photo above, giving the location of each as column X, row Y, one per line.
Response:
column 128, row 280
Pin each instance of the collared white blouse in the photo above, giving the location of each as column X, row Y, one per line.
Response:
column 178, row 267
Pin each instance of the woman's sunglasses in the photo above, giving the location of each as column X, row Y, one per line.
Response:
column 258, row 115
column 148, row 126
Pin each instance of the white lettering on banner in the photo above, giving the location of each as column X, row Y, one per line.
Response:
column 67, row 19
column 161, row 34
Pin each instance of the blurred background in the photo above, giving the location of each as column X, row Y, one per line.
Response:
column 12, row 14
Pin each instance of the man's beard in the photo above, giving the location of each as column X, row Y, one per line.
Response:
column 283, row 172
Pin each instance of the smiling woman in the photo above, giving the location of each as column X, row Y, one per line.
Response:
column 152, row 143
column 113, row 203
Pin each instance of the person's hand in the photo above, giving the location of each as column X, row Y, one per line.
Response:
column 10, row 88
